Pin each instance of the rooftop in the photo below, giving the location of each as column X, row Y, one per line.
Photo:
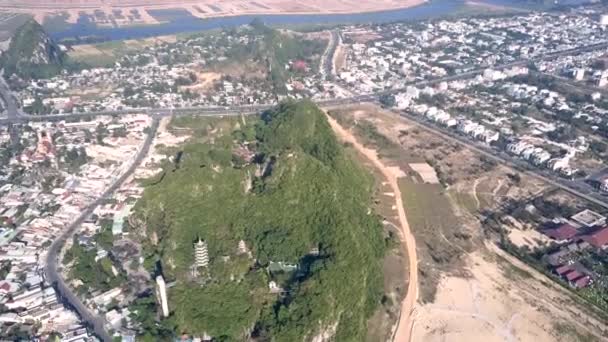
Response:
column 589, row 218
column 599, row 238
column 563, row 232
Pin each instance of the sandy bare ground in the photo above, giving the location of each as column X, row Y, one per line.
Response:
column 392, row 175
column 205, row 80
column 487, row 295
column 499, row 303
column 490, row 7
column 202, row 8
column 85, row 50
column 164, row 138
column 339, row 59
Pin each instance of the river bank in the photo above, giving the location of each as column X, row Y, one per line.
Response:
column 174, row 21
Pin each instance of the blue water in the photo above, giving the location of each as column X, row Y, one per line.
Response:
column 179, row 21
column 182, row 21
column 528, row 3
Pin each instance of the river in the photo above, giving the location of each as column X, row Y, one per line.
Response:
column 179, row 20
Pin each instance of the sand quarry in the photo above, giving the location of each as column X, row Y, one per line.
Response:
column 483, row 294
column 41, row 9
column 502, row 300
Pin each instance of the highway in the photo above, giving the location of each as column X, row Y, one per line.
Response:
column 16, row 116
column 327, row 60
column 52, row 275
column 576, row 187
column 12, row 110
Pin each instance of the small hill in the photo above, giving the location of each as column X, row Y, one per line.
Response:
column 32, row 53
column 306, row 221
column 298, row 125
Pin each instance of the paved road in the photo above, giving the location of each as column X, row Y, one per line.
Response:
column 327, row 60
column 95, row 322
column 17, row 116
column 12, row 111
column 575, row 187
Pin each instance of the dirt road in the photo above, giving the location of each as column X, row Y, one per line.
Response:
column 392, row 175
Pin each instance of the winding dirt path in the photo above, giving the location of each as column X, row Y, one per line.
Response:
column 475, row 184
column 392, row 174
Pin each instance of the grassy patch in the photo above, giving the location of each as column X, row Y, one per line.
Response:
column 427, row 206
column 464, row 200
column 440, row 238
column 568, row 330
column 511, row 271
column 95, row 60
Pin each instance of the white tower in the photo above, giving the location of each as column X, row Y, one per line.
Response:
column 579, row 74
column 603, row 81
column 161, row 292
column 201, row 255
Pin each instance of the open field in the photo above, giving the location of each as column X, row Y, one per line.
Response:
column 469, row 289
column 103, row 54
column 117, row 12
column 502, row 300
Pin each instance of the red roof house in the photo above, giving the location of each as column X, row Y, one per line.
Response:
column 563, row 269
column 598, row 239
column 582, row 282
column 300, row 65
column 573, row 275
column 562, row 233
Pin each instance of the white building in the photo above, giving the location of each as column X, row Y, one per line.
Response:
column 517, row 148
column 161, row 293
column 490, row 136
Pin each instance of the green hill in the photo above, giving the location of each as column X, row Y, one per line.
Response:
column 311, row 196
column 32, row 53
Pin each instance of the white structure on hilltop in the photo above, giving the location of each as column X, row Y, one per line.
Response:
column 161, row 293
column 242, row 247
column 579, row 74
column 201, row 254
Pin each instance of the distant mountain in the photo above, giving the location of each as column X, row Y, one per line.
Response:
column 32, row 54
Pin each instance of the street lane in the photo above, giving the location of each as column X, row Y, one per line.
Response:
column 52, row 275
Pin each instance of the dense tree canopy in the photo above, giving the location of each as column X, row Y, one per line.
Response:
column 310, row 197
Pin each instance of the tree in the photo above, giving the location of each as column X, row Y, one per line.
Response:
column 88, row 136
column 101, row 132
column 128, row 91
column 105, row 238
column 388, row 100
column 75, row 158
column 119, row 132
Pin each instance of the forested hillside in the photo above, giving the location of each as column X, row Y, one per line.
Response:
column 32, row 53
column 301, row 202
